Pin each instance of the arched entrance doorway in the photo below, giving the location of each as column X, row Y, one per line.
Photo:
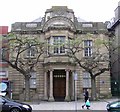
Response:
column 59, row 85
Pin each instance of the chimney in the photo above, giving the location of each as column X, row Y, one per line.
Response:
column 117, row 12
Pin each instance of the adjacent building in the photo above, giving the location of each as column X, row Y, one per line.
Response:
column 54, row 75
column 114, row 29
column 3, row 45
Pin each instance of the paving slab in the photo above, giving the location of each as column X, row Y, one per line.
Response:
column 71, row 106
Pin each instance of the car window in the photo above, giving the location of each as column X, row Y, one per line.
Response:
column 115, row 104
column 8, row 99
column 1, row 100
column 118, row 103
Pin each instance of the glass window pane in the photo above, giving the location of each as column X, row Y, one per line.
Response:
column 59, row 44
column 86, row 80
column 33, row 80
column 87, row 47
column 31, row 50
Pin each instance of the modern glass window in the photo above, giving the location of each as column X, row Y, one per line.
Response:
column 86, row 80
column 58, row 42
column 88, row 48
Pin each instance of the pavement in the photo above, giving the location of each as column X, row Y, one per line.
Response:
column 73, row 105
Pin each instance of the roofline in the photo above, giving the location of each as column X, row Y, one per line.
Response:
column 114, row 25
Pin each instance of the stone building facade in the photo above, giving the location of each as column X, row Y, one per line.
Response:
column 114, row 30
column 3, row 45
column 54, row 78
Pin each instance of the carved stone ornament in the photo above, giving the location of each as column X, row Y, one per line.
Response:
column 59, row 21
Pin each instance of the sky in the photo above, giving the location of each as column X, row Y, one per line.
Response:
column 12, row 11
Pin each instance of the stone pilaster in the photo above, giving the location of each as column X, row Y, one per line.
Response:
column 73, row 87
column 67, row 97
column 51, row 98
column 45, row 86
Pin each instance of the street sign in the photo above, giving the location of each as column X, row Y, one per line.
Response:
column 3, row 86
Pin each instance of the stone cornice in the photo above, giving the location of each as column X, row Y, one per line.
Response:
column 28, row 32
column 59, row 63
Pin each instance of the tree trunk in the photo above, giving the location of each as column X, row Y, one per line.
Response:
column 93, row 89
column 27, row 88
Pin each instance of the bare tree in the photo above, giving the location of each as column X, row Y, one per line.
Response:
column 24, row 54
column 96, row 63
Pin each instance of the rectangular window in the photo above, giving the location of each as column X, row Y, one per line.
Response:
column 87, row 25
column 30, row 50
column 33, row 80
column 62, row 42
column 48, row 46
column 3, row 74
column 58, row 42
column 3, row 54
column 87, row 48
column 86, row 80
column 56, row 45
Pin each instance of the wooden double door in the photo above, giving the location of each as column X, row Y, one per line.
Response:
column 59, row 86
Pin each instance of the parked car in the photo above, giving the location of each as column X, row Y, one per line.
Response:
column 9, row 105
column 114, row 106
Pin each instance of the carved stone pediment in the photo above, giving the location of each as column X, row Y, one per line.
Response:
column 58, row 22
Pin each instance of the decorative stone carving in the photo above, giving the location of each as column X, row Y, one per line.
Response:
column 58, row 22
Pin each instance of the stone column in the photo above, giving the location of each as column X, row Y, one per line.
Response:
column 67, row 97
column 45, row 86
column 51, row 98
column 73, row 86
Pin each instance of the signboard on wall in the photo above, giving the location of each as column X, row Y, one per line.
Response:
column 3, row 87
